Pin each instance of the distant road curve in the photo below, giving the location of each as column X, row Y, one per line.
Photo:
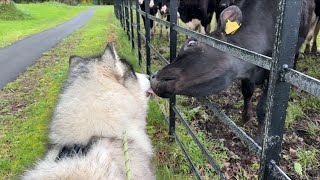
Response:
column 14, row 59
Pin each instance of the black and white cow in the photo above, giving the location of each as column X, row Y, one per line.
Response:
column 196, row 14
column 201, row 70
column 311, row 40
column 153, row 12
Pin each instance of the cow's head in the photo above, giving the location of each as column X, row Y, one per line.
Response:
column 199, row 70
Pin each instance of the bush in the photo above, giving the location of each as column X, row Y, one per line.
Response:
column 10, row 12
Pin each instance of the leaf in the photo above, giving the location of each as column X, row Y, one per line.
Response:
column 298, row 168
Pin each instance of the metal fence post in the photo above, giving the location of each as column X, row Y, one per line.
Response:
column 147, row 25
column 173, row 54
column 288, row 22
column 132, row 30
column 122, row 15
column 138, row 32
column 127, row 19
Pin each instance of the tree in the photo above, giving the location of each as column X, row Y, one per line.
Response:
column 5, row 2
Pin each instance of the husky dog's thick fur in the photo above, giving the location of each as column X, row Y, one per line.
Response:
column 102, row 97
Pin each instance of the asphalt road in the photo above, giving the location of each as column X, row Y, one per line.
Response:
column 14, row 59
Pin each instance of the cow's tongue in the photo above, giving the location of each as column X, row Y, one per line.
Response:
column 151, row 92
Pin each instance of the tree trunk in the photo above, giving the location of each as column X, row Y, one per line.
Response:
column 5, row 2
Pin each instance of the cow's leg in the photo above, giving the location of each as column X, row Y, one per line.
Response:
column 310, row 34
column 247, row 89
column 202, row 29
column 168, row 30
column 158, row 15
column 152, row 28
column 315, row 35
column 261, row 113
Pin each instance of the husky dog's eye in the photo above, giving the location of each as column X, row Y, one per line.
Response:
column 192, row 43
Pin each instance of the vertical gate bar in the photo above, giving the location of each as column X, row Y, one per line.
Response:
column 173, row 54
column 138, row 32
column 288, row 22
column 123, row 15
column 132, row 30
column 127, row 19
column 147, row 27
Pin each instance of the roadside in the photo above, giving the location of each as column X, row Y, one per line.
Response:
column 14, row 59
column 41, row 16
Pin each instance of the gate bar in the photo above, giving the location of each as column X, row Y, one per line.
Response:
column 127, row 18
column 173, row 54
column 147, row 28
column 247, row 140
column 138, row 30
column 302, row 81
column 202, row 148
column 132, row 30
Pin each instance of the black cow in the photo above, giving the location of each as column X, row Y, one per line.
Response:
column 201, row 70
column 196, row 14
column 314, row 31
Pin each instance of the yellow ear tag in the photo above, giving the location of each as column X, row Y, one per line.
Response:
column 231, row 27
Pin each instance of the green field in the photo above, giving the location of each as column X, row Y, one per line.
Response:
column 40, row 17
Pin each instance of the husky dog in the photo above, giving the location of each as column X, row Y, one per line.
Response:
column 102, row 99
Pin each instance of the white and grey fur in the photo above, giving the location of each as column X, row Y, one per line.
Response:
column 101, row 98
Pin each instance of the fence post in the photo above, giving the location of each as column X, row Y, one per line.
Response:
column 122, row 15
column 147, row 27
column 288, row 22
column 138, row 32
column 132, row 30
column 173, row 54
column 127, row 18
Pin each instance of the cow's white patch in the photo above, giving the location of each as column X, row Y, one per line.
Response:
column 164, row 9
column 202, row 29
column 194, row 24
column 151, row 3
column 140, row 1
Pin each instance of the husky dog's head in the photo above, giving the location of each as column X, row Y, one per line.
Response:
column 101, row 96
column 111, row 66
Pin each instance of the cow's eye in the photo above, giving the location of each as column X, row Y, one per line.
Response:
column 192, row 43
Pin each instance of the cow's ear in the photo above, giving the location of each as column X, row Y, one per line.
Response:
column 230, row 20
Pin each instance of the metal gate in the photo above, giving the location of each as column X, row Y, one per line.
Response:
column 282, row 76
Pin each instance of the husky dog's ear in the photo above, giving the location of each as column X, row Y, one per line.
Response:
column 110, row 54
column 111, row 58
column 74, row 60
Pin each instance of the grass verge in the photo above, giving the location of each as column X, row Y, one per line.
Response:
column 22, row 20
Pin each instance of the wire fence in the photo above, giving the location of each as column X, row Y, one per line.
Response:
column 280, row 80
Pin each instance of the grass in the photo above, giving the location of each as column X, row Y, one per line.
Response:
column 32, row 18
